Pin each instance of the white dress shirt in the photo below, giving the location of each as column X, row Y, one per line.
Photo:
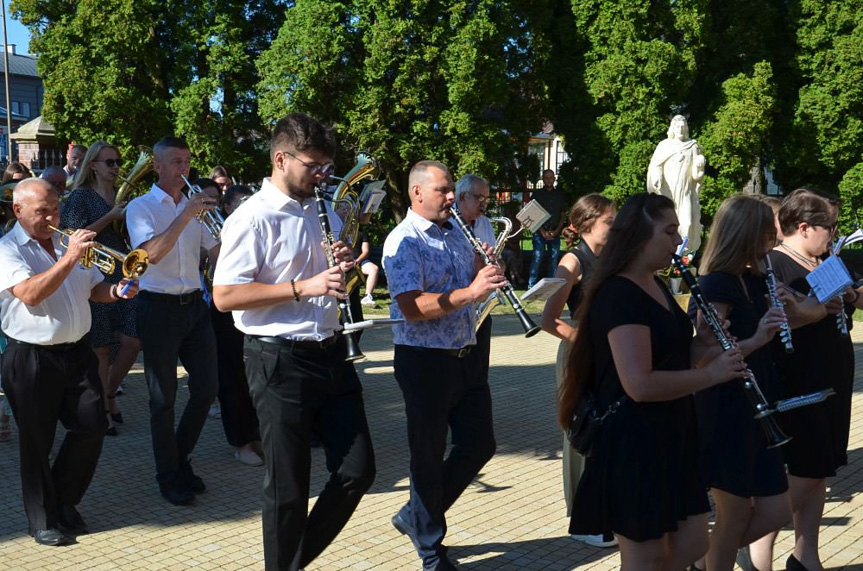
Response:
column 271, row 238
column 483, row 230
column 64, row 316
column 149, row 216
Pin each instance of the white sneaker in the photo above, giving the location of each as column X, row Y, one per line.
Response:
column 367, row 300
column 248, row 457
column 595, row 540
column 215, row 411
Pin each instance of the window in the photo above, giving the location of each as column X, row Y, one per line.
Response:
column 25, row 109
column 15, row 108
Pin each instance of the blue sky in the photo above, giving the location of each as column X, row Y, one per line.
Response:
column 17, row 34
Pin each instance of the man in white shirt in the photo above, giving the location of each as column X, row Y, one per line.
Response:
column 274, row 275
column 74, row 156
column 173, row 318
column 49, row 370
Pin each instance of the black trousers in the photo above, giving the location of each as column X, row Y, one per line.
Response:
column 442, row 392
column 44, row 385
column 299, row 391
column 238, row 412
column 169, row 330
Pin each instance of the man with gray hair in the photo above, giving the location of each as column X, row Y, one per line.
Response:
column 49, row 370
column 56, row 176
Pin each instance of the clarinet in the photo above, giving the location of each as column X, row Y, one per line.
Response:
column 775, row 436
column 784, row 329
column 354, row 352
column 841, row 320
column 530, row 328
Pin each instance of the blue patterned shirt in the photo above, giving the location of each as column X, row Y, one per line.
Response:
column 419, row 255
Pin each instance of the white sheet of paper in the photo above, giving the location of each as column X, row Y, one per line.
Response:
column 829, row 279
column 544, row 289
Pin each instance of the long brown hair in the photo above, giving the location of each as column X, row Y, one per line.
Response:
column 583, row 214
column 632, row 228
column 86, row 176
column 738, row 234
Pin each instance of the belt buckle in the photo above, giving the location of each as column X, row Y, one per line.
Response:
column 463, row 352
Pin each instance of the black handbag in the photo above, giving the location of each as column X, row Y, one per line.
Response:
column 586, row 421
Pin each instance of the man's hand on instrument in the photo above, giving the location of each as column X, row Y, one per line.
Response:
column 486, row 281
column 329, row 282
column 127, row 288
column 197, row 203
column 344, row 255
column 79, row 242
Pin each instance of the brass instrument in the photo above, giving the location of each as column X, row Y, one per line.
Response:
column 354, row 352
column 129, row 186
column 346, row 195
column 484, row 308
column 211, row 219
column 133, row 264
column 530, row 328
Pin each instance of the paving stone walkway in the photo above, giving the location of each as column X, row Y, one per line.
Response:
column 512, row 517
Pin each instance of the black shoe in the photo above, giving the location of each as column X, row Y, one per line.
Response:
column 70, row 521
column 792, row 564
column 405, row 528
column 186, row 477
column 177, row 494
column 744, row 560
column 52, row 537
column 117, row 418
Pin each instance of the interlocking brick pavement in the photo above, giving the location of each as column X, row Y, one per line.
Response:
column 512, row 517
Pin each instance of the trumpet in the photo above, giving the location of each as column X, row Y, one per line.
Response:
column 784, row 330
column 211, row 219
column 354, row 352
column 530, row 328
column 133, row 264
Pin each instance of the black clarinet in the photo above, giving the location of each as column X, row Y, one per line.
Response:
column 530, row 328
column 354, row 352
column 785, row 329
column 775, row 436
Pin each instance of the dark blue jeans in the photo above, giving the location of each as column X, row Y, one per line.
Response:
column 540, row 246
column 442, row 392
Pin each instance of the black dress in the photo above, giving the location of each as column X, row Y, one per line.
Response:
column 733, row 445
column 587, row 259
column 82, row 208
column 643, row 476
column 821, row 360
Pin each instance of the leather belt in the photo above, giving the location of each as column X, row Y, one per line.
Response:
column 54, row 347
column 458, row 353
column 182, row 299
column 297, row 343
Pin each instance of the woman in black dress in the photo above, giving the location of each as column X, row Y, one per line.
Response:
column 820, row 360
column 590, row 220
column 747, row 480
column 642, row 479
column 91, row 206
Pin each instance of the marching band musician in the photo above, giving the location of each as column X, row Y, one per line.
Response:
column 173, row 318
column 434, row 283
column 274, row 275
column 49, row 370
column 635, row 351
column 471, row 194
column 91, row 205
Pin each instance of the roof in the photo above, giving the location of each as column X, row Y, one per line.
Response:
column 36, row 130
column 20, row 65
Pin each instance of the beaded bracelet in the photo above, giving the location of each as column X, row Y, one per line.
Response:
column 294, row 288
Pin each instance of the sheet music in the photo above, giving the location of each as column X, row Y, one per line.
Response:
column 544, row 289
column 533, row 216
column 829, row 279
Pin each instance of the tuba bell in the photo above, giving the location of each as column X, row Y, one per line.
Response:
column 347, row 196
column 133, row 264
column 130, row 187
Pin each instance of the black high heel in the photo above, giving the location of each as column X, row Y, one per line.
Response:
column 792, row 564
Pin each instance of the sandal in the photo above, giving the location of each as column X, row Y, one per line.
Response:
column 116, row 417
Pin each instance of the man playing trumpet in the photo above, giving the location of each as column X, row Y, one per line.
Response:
column 49, row 370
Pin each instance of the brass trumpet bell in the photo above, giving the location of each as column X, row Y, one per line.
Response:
column 133, row 264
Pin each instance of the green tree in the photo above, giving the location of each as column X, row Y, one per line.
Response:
column 446, row 80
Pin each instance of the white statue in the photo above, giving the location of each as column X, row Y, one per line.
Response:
column 676, row 170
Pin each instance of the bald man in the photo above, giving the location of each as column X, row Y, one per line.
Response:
column 435, row 282
column 50, row 373
column 57, row 177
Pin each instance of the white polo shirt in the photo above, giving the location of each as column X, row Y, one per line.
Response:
column 64, row 316
column 271, row 238
column 150, row 215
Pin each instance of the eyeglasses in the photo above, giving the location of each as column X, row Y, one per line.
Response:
column 325, row 169
column 111, row 163
column 479, row 197
column 831, row 229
